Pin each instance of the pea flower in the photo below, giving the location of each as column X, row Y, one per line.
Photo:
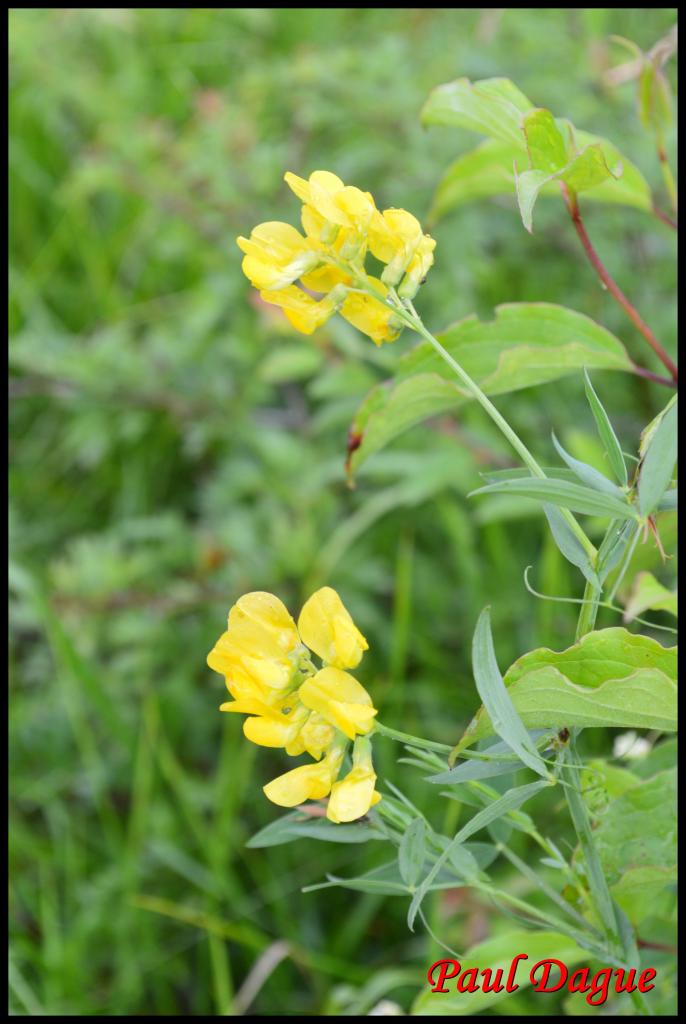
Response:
column 266, row 661
column 315, row 275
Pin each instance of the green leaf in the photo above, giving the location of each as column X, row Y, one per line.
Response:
column 412, row 852
column 296, row 825
column 567, row 495
column 569, row 544
column 657, row 467
column 647, row 593
column 588, row 474
column 614, row 545
column 586, row 170
column 493, row 107
column 608, row 437
column 497, row 954
column 513, row 799
column 636, row 841
column 491, row 689
column 609, row 677
column 544, row 142
column 473, row 770
column 527, row 343
column 529, row 185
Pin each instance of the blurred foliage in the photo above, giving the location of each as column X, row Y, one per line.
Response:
column 174, row 445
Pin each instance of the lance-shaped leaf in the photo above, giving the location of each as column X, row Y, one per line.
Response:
column 513, row 799
column 657, row 466
column 612, row 447
column 569, row 544
column 491, row 689
column 588, row 474
column 525, row 344
column 412, row 852
column 567, row 495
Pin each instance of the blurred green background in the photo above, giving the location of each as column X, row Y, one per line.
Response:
column 173, row 445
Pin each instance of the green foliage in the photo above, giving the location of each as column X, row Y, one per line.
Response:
column 173, row 444
column 526, row 344
column 608, row 678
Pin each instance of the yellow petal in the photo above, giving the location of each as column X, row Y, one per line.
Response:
column 316, row 735
column 305, row 313
column 260, row 623
column 352, row 797
column 326, row 627
column 371, row 316
column 307, row 782
column 340, row 700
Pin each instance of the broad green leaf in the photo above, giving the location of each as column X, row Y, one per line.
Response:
column 657, row 467
column 648, row 593
column 636, row 841
column 525, row 344
column 546, row 698
column 588, row 474
column 491, row 689
column 546, row 147
column 609, row 677
column 566, row 495
column 600, row 656
column 611, row 445
column 569, row 544
column 412, row 852
column 497, row 954
column 493, row 107
column 497, row 109
column 511, row 800
column 586, row 170
column 488, row 170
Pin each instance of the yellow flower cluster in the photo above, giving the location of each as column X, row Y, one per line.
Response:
column 341, row 224
column 266, row 662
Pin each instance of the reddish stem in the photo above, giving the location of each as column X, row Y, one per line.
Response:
column 665, row 218
column 613, row 287
column 641, row 371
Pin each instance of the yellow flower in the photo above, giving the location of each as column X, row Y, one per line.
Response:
column 266, row 663
column 307, row 782
column 327, row 628
column 339, row 699
column 326, row 195
column 276, row 255
column 370, row 315
column 305, row 313
column 352, row 797
column 397, row 234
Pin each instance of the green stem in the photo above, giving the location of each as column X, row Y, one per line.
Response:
column 589, row 610
column 406, row 737
column 582, row 826
column 411, row 318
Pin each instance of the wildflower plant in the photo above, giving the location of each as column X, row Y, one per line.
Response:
column 531, row 716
